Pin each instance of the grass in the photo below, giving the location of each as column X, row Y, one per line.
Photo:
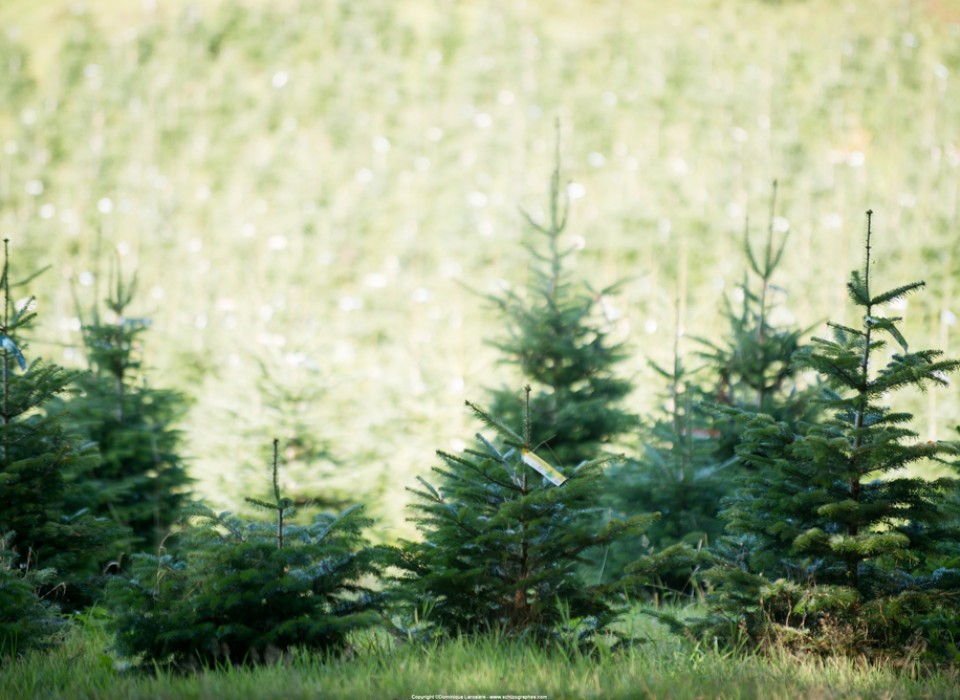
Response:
column 662, row 667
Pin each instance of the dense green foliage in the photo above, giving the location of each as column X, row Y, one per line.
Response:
column 27, row 620
column 504, row 547
column 837, row 542
column 246, row 592
column 679, row 473
column 141, row 480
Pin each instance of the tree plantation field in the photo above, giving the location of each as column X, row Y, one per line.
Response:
column 458, row 348
column 307, row 190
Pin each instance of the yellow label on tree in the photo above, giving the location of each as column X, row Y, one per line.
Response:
column 554, row 476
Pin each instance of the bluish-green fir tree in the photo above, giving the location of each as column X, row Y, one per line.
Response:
column 290, row 401
column 688, row 463
column 680, row 473
column 752, row 367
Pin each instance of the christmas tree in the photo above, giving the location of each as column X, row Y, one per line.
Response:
column 140, row 481
column 832, row 537
column 560, row 341
column 506, row 539
column 43, row 514
column 247, row 591
column 752, row 367
column 679, row 473
column 688, row 464
column 290, row 398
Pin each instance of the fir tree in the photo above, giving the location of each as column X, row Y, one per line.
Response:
column 688, row 464
column 246, row 592
column 832, row 540
column 290, row 401
column 559, row 342
column 752, row 366
column 505, row 541
column 291, row 389
column 41, row 466
column 679, row 474
column 140, row 481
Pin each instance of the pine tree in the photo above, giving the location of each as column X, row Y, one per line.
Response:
column 141, row 481
column 505, row 541
column 247, row 591
column 832, row 540
column 558, row 339
column 40, row 464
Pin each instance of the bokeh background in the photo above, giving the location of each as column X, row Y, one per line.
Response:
column 316, row 194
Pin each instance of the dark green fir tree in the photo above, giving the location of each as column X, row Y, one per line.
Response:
column 832, row 538
column 506, row 541
column 559, row 340
column 248, row 591
column 141, row 481
column 43, row 518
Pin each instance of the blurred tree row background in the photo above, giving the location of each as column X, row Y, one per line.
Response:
column 312, row 192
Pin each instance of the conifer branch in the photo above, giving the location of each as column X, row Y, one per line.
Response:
column 493, row 422
column 276, row 493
